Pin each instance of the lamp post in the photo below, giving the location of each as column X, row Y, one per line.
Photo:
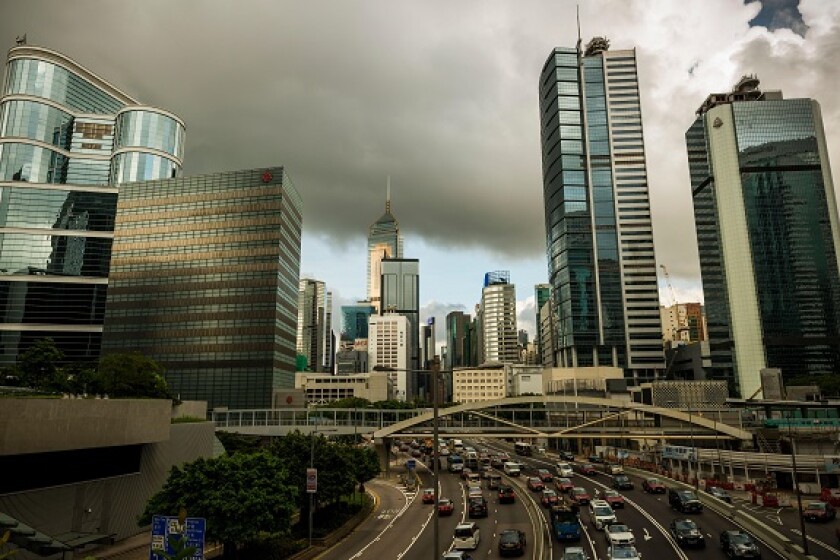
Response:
column 312, row 466
column 796, row 488
column 693, row 450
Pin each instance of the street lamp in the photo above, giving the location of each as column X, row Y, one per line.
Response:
column 314, row 431
column 796, row 488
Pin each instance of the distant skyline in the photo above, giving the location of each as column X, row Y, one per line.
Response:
column 442, row 97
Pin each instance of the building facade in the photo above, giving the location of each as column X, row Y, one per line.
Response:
column 476, row 384
column 400, row 294
column 354, row 321
column 384, row 242
column 323, row 389
column 314, row 325
column 498, row 319
column 542, row 294
column 767, row 234
column 67, row 139
column 204, row 280
column 682, row 323
column 599, row 234
column 460, row 340
column 388, row 348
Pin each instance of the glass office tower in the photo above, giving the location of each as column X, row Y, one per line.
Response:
column 204, row 279
column 314, row 325
column 768, row 235
column 400, row 295
column 384, row 242
column 67, row 139
column 354, row 321
column 599, row 235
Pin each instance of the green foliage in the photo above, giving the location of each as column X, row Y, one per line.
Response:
column 188, row 420
column 364, row 462
column 132, row 375
column 38, row 366
column 349, row 402
column 394, row 405
column 239, row 443
column 241, row 496
column 180, row 550
column 4, row 541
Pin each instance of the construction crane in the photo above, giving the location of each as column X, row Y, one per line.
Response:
column 668, row 283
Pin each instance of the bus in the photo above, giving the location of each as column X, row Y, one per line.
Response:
column 522, row 448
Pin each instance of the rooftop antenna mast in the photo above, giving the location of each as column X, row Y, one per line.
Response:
column 388, row 195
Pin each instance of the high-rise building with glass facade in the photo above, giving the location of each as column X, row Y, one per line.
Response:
column 498, row 319
column 204, row 279
column 458, row 340
column 768, row 236
column 354, row 321
column 67, row 139
column 542, row 293
column 314, row 325
column 599, row 233
column 384, row 242
column 400, row 294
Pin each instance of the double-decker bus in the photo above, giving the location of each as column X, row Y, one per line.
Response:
column 522, row 448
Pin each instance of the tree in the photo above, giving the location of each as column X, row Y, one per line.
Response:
column 132, row 375
column 39, row 365
column 349, row 402
column 364, row 462
column 241, row 496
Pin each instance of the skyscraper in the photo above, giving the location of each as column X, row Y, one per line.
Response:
column 599, row 233
column 457, row 340
column 498, row 313
column 204, row 280
column 542, row 293
column 768, row 235
column 384, row 242
column 314, row 325
column 354, row 321
column 400, row 294
column 388, row 348
column 67, row 138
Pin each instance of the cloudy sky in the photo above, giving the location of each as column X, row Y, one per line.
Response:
column 442, row 96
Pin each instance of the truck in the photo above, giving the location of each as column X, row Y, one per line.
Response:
column 565, row 521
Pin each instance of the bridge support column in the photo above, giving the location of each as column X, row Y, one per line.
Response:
column 383, row 450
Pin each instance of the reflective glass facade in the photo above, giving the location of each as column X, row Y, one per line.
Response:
column 58, row 196
column 354, row 321
column 204, row 279
column 384, row 242
column 599, row 235
column 790, row 228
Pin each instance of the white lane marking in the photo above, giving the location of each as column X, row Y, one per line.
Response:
column 819, row 542
column 391, row 524
column 647, row 535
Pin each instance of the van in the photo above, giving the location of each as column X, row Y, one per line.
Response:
column 494, row 481
column 467, row 536
column 512, row 469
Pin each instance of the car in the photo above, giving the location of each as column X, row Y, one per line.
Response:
column 579, row 495
column 549, row 498
column 619, row 534
column 511, row 542
column 566, row 455
column 456, row 555
column 738, row 544
column 653, row 486
column 613, row 469
column 473, row 478
column 720, row 494
column 478, row 507
column 404, row 448
column 535, row 484
column 574, row 553
column 445, row 507
column 564, row 469
column 687, row 533
column 429, row 496
column 587, row 469
column 563, row 484
column 494, row 481
column 506, row 495
column 465, row 472
column 623, row 553
column 484, row 471
column 496, row 462
column 444, row 451
column 819, row 511
column 601, row 514
column 474, row 492
column 544, row 475
column 467, row 536
column 622, row 482
column 684, row 501
column 416, row 453
column 595, row 459
column 613, row 498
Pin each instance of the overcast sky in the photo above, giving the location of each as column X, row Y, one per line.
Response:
column 441, row 96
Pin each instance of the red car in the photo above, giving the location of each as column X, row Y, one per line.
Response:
column 445, row 507
column 428, row 496
column 550, row 498
column 587, row 469
column 564, row 484
column 819, row 511
column 580, row 495
column 506, row 495
column 653, row 486
column 613, row 498
column 535, row 484
column 544, row 475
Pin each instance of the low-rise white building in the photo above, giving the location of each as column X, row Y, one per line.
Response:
column 524, row 380
column 487, row 382
column 324, row 388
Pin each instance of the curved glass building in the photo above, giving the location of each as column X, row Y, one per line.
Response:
column 67, row 139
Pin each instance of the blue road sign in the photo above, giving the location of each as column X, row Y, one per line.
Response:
column 165, row 525
column 411, row 464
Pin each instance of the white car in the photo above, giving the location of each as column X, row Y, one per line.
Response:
column 623, row 553
column 618, row 535
column 564, row 469
column 601, row 514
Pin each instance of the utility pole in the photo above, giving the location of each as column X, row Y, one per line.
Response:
column 796, row 488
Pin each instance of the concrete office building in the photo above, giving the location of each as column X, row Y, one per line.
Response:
column 400, row 294
column 602, row 267
column 384, row 242
column 487, row 382
column 542, row 294
column 204, row 279
column 323, row 389
column 768, row 236
column 314, row 325
column 67, row 139
column 388, row 348
column 548, row 328
column 498, row 319
column 682, row 323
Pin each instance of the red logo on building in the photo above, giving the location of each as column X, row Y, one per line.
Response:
column 267, row 177
column 289, row 399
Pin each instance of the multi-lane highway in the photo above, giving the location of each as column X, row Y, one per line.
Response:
column 402, row 529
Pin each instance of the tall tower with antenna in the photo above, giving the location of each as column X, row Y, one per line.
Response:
column 384, row 242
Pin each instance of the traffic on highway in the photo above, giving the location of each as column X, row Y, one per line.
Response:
column 498, row 499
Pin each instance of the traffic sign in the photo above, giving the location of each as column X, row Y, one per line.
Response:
column 166, row 526
column 311, row 481
column 411, row 464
